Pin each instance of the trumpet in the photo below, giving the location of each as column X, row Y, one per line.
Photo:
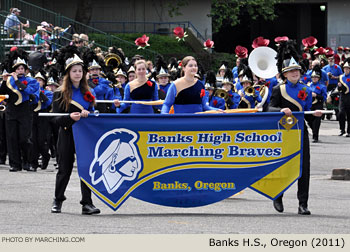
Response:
column 222, row 93
column 249, row 91
column 2, row 108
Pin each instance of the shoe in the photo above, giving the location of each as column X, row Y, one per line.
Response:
column 315, row 141
column 44, row 164
column 348, row 135
column 278, row 205
column 90, row 209
column 14, row 169
column 341, row 133
column 28, row 167
column 56, row 206
column 2, row 161
column 303, row 210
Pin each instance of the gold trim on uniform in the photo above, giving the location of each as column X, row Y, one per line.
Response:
column 20, row 98
column 344, row 84
column 246, row 101
column 288, row 98
column 77, row 104
column 38, row 107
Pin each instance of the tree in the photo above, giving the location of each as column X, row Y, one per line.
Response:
column 225, row 12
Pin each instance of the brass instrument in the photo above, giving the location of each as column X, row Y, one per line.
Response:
column 2, row 108
column 249, row 91
column 112, row 59
column 222, row 93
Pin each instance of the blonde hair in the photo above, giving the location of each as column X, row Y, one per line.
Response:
column 139, row 62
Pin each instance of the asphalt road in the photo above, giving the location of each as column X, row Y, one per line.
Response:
column 26, row 197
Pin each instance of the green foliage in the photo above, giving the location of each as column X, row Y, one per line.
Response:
column 174, row 7
column 167, row 46
column 230, row 11
column 159, row 44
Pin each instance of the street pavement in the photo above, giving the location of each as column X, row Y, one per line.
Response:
column 26, row 198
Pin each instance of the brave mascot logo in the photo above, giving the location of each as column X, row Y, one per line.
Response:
column 116, row 159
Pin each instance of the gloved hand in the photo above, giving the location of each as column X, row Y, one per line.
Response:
column 43, row 97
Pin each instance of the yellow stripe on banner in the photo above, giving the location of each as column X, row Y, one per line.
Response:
column 145, row 179
column 275, row 182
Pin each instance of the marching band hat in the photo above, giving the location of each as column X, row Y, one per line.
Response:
column 41, row 74
column 161, row 67
column 68, row 57
column 346, row 49
column 210, row 80
column 316, row 72
column 346, row 63
column 91, row 60
column 247, row 75
column 228, row 77
column 131, row 69
column 119, row 72
column 340, row 48
column 15, row 58
column 287, row 57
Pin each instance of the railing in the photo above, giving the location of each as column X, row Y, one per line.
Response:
column 144, row 27
column 40, row 14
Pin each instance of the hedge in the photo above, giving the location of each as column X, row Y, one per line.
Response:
column 167, row 46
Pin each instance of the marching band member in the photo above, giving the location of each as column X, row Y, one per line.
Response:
column 210, row 87
column 162, row 77
column 140, row 89
column 319, row 96
column 221, row 73
column 228, row 85
column 18, row 111
column 97, row 83
column 249, row 96
column 131, row 75
column 76, row 98
column 187, row 93
column 290, row 96
column 121, row 77
column 115, row 91
column 344, row 106
column 40, row 128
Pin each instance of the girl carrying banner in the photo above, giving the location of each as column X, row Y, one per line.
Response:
column 76, row 98
column 293, row 95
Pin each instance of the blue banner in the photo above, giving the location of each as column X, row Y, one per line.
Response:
column 188, row 160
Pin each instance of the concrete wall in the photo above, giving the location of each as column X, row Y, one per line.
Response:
column 338, row 21
column 136, row 11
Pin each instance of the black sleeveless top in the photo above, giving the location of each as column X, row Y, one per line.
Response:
column 144, row 92
column 191, row 95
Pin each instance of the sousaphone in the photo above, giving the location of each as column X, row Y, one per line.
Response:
column 262, row 61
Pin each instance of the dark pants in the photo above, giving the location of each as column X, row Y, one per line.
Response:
column 315, row 123
column 53, row 136
column 66, row 150
column 3, row 144
column 40, row 139
column 18, row 129
column 304, row 180
column 344, row 115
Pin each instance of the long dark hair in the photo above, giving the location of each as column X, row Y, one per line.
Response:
column 67, row 91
